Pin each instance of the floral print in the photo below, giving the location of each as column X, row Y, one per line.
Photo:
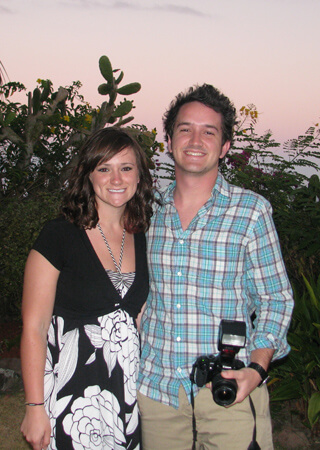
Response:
column 117, row 332
column 90, row 394
column 88, row 431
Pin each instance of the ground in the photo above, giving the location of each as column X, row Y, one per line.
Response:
column 289, row 431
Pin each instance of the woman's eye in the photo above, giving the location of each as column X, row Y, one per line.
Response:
column 103, row 169
column 126, row 169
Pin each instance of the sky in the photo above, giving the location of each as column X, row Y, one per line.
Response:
column 262, row 52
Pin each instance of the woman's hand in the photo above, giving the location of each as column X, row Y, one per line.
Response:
column 36, row 427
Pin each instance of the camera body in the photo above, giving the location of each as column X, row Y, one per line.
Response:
column 208, row 368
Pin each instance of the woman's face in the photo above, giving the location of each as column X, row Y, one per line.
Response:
column 115, row 181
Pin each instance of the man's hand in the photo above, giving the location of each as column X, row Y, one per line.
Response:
column 247, row 380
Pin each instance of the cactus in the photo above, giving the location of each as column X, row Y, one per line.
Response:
column 123, row 109
column 46, row 84
column 129, row 89
column 36, row 101
column 106, row 69
column 104, row 89
column 119, row 79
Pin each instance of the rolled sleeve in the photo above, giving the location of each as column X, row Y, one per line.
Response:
column 269, row 287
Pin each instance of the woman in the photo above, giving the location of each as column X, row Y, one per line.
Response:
column 86, row 281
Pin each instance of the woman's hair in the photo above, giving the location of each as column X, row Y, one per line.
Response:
column 79, row 204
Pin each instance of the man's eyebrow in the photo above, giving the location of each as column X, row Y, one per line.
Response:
column 206, row 125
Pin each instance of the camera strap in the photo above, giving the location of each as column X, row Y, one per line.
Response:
column 253, row 444
column 194, row 423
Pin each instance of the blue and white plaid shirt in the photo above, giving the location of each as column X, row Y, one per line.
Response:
column 226, row 265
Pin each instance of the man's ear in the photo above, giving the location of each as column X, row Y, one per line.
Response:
column 169, row 145
column 224, row 149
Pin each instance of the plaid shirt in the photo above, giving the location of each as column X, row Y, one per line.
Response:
column 226, row 265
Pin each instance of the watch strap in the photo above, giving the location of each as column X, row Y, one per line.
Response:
column 263, row 373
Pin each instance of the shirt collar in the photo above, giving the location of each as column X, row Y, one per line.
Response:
column 221, row 187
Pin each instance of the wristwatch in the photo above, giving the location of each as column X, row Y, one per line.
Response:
column 263, row 374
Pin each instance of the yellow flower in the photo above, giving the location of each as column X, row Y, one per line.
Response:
column 161, row 147
column 154, row 131
column 66, row 118
column 244, row 131
column 88, row 118
column 52, row 129
column 39, row 80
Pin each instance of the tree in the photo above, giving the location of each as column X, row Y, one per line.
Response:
column 39, row 140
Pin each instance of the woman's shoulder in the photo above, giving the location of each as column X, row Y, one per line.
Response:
column 59, row 223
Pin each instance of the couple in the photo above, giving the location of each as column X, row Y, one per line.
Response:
column 212, row 254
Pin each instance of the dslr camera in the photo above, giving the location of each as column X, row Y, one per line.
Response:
column 207, row 368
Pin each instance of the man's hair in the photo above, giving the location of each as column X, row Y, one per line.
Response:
column 208, row 96
column 79, row 203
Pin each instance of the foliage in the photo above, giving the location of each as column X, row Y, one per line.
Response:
column 39, row 140
column 20, row 223
column 256, row 163
column 298, row 376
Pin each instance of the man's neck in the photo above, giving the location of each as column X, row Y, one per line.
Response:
column 190, row 194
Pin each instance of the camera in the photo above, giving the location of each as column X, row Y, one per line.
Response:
column 207, row 368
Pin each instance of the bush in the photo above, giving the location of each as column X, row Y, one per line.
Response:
column 20, row 222
column 298, row 376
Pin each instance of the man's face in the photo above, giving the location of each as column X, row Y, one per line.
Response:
column 196, row 144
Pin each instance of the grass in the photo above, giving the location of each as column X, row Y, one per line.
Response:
column 11, row 414
column 289, row 433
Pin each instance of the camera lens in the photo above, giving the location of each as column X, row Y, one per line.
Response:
column 224, row 391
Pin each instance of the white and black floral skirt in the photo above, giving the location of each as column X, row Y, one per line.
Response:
column 90, row 383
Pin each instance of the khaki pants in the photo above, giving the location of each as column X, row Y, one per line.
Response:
column 167, row 428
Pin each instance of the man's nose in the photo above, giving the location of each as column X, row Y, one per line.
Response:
column 195, row 138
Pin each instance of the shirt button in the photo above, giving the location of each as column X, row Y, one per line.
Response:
column 181, row 241
column 178, row 339
column 178, row 305
column 179, row 274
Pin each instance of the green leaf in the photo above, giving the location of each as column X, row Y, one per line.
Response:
column 9, row 118
column 313, row 297
column 287, row 390
column 314, row 408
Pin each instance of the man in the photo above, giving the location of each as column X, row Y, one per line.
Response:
column 213, row 254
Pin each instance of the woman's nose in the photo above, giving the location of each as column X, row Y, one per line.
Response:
column 116, row 177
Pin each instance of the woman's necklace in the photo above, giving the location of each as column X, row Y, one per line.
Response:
column 117, row 266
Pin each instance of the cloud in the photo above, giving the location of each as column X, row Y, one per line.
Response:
column 180, row 10
column 168, row 7
column 5, row 10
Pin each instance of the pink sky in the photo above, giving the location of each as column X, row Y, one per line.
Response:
column 256, row 51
